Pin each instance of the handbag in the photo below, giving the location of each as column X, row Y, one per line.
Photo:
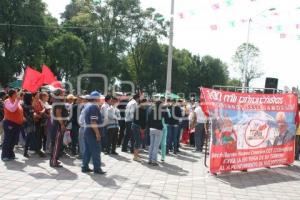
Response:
column 67, row 138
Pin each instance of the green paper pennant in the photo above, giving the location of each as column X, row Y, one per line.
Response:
column 192, row 13
column 232, row 24
column 279, row 28
column 228, row 2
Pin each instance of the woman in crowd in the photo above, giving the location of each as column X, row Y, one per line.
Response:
column 29, row 122
column 45, row 101
column 3, row 96
column 58, row 127
column 39, row 119
column 156, row 126
column 185, row 124
column 113, row 127
column 121, row 107
column 13, row 120
column 192, row 126
column 163, row 144
column 138, row 126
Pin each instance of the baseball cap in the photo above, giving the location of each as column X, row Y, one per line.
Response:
column 95, row 95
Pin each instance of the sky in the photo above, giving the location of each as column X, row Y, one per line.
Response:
column 275, row 32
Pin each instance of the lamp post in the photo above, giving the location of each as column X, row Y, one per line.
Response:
column 170, row 51
column 247, row 48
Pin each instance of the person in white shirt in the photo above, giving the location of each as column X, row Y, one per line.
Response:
column 129, row 116
column 200, row 128
column 104, row 113
column 112, row 127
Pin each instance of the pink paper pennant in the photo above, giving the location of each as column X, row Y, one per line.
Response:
column 216, row 6
column 181, row 15
column 214, row 27
column 282, row 35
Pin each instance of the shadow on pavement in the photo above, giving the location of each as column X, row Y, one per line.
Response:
column 191, row 155
column 62, row 173
column 185, row 158
column 168, row 168
column 108, row 181
column 120, row 158
column 261, row 177
column 70, row 161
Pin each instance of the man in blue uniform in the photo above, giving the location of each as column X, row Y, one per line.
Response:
column 92, row 134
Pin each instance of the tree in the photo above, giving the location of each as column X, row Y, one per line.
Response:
column 150, row 74
column 66, row 54
column 234, row 82
column 247, row 59
column 145, row 28
column 23, row 37
column 213, row 72
column 117, row 34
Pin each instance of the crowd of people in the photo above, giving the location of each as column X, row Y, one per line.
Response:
column 56, row 122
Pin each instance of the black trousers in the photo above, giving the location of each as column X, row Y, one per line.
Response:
column 199, row 136
column 11, row 136
column 122, row 131
column 297, row 147
column 128, row 136
column 40, row 137
column 192, row 139
column 112, row 136
column 74, row 137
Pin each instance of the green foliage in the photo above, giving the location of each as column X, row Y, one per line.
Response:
column 234, row 82
column 66, row 55
column 111, row 37
column 21, row 45
column 189, row 72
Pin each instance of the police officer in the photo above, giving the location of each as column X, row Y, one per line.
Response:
column 92, row 134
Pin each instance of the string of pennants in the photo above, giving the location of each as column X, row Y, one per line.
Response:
column 234, row 23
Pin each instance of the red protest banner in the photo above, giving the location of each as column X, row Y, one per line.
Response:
column 250, row 130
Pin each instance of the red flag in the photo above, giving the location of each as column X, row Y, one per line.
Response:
column 32, row 80
column 49, row 78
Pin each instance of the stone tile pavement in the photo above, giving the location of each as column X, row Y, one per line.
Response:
column 180, row 177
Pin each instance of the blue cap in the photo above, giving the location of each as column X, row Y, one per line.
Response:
column 95, row 95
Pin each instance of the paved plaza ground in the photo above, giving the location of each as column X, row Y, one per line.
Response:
column 181, row 177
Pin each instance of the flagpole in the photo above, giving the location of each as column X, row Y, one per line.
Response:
column 170, row 51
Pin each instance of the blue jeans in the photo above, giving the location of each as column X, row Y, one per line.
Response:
column 173, row 131
column 81, row 141
column 155, row 139
column 136, row 130
column 92, row 149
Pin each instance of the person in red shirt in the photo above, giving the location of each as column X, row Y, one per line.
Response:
column 39, row 120
column 12, row 123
